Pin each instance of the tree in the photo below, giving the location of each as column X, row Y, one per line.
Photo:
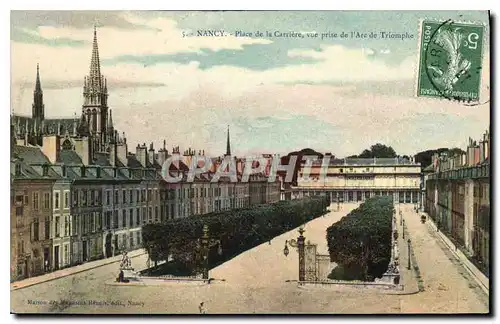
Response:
column 425, row 157
column 361, row 241
column 237, row 229
column 285, row 160
column 377, row 151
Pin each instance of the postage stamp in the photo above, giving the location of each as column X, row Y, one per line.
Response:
column 450, row 60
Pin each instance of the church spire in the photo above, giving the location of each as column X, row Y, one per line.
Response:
column 38, row 86
column 228, row 145
column 95, row 77
column 38, row 106
column 110, row 123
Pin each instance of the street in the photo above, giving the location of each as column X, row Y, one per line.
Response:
column 255, row 282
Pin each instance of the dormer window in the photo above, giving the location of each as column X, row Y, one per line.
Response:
column 18, row 169
column 64, row 171
column 45, row 170
column 83, row 171
column 98, row 172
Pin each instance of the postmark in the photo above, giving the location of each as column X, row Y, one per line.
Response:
column 450, row 60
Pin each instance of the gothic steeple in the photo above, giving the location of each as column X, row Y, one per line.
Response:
column 38, row 107
column 95, row 65
column 95, row 97
column 228, row 145
column 110, row 122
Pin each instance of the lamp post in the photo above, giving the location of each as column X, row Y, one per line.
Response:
column 409, row 254
column 300, row 245
column 403, row 229
column 205, row 243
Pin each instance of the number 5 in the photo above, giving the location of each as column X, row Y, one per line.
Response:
column 472, row 40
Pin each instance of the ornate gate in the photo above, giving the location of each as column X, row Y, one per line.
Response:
column 310, row 260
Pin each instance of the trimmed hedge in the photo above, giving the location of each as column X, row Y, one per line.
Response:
column 361, row 241
column 237, row 229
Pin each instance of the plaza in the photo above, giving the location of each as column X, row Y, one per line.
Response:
column 260, row 280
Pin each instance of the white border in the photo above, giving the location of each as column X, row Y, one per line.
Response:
column 214, row 4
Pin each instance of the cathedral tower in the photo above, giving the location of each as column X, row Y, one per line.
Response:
column 38, row 108
column 95, row 101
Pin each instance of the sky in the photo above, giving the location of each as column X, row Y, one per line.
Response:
column 277, row 94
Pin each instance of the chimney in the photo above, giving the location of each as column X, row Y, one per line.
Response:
column 51, row 147
column 82, row 148
column 162, row 153
column 121, row 152
column 142, row 154
column 151, row 154
column 113, row 154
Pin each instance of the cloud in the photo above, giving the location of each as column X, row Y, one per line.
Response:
column 337, row 99
column 112, row 83
column 71, row 19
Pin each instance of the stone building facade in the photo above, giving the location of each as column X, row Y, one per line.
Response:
column 357, row 179
column 458, row 198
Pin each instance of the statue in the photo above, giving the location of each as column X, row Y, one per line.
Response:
column 126, row 263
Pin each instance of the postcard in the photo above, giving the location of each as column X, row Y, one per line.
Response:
column 250, row 162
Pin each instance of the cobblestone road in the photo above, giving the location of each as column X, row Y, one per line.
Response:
column 255, row 283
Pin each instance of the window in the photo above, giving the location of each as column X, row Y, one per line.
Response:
column 36, row 230
column 66, row 253
column 115, row 219
column 57, row 227
column 66, row 199
column 149, row 198
column 124, row 196
column 66, row 226
column 20, row 247
column 138, row 237
column 35, row 201
column 124, row 218
column 46, row 200
column 144, row 215
column 108, row 197
column 56, row 200
column 150, row 214
column 19, row 211
column 131, row 217
column 131, row 196
column 116, row 197
column 156, row 214
column 92, row 222
column 47, row 228
column 92, row 197
column 84, row 197
column 137, row 216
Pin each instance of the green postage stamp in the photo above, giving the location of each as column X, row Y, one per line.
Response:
column 450, row 60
